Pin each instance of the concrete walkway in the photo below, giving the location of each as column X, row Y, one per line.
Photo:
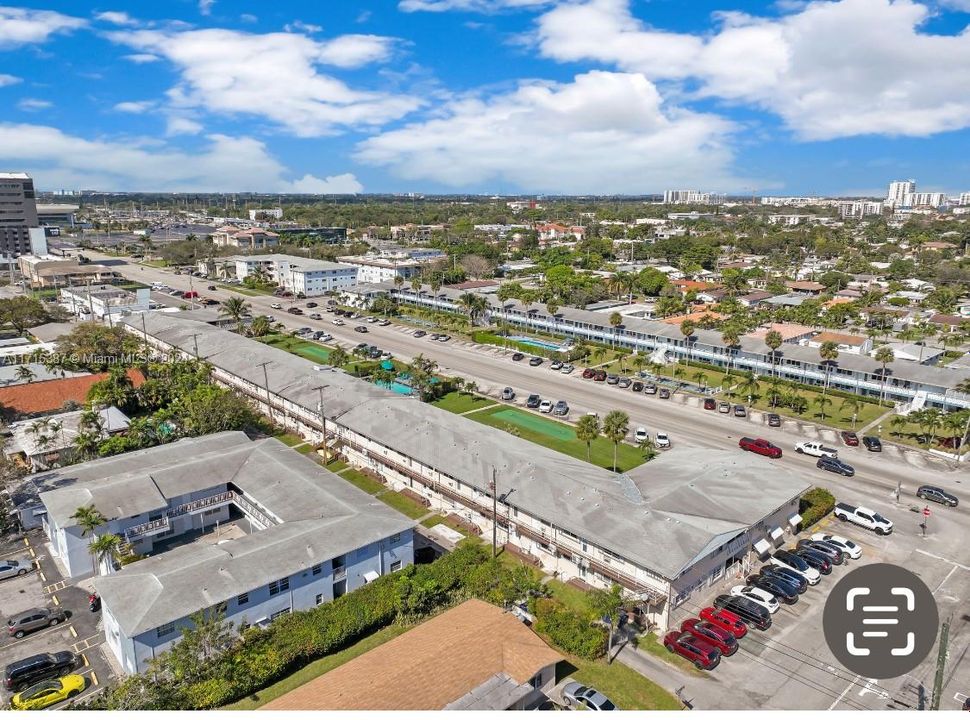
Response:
column 885, row 416
column 666, row 676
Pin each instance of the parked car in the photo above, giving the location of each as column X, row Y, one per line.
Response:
column 533, row 401
column 556, row 365
column 650, row 389
column 756, row 595
column 774, row 420
column 370, row 320
column 34, row 619
column 710, row 404
column 315, row 316
column 815, row 449
column 637, row 386
column 724, row 619
column 624, row 382
column 779, row 589
column 698, row 650
column 816, row 560
column 784, row 574
column 561, row 408
column 599, row 376
column 545, row 406
column 322, row 336
column 48, row 692
column 751, row 612
column 835, row 465
column 337, row 321
column 276, row 306
column 739, row 411
column 419, row 333
column 793, row 562
column 872, row 443
column 864, row 517
column 508, row 394
column 850, row 438
column 661, row 440
column 384, row 323
column 588, row 373
column 30, row 670
column 834, row 554
column 574, row 694
column 760, row 446
column 664, row 393
column 444, row 338
column 535, row 361
column 612, row 379
column 360, row 328
column 717, row 636
column 12, row 567
column 640, row 435
column 724, row 407
column 518, row 356
column 844, row 544
column 938, row 495
column 212, row 287
column 567, row 368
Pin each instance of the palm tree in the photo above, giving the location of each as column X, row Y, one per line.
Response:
column 884, row 355
column 88, row 519
column 821, row 402
column 398, row 281
column 552, row 308
column 415, row 283
column 749, row 386
column 615, row 321
column 897, row 423
column 473, row 304
column 616, row 425
column 338, row 357
column 700, row 377
column 774, row 390
column 105, row 548
column 260, row 326
column 587, row 430
column 687, row 328
column 25, row 374
column 929, row 421
column 731, row 337
column 829, row 353
column 854, row 405
column 955, row 423
column 235, row 309
column 773, row 340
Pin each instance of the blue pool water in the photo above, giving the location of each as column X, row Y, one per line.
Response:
column 398, row 387
column 536, row 343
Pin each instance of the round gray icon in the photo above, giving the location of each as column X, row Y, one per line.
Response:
column 880, row 621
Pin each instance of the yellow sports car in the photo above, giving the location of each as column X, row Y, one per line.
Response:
column 47, row 693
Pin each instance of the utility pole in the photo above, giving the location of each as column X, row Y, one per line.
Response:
column 323, row 421
column 195, row 342
column 494, row 490
column 269, row 406
column 940, row 665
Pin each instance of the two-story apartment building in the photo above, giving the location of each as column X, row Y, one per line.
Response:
column 297, row 274
column 663, row 532
column 303, row 536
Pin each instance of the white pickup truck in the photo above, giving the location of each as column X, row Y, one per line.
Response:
column 864, row 517
column 815, row 449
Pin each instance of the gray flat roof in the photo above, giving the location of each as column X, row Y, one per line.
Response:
column 607, row 509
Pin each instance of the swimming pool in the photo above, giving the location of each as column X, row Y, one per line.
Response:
column 398, row 387
column 522, row 339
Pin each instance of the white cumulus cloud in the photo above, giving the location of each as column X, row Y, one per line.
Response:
column 275, row 76
column 345, row 184
column 135, row 107
column 482, row 6
column 9, row 79
column 829, row 69
column 22, row 26
column 219, row 163
column 601, row 133
column 34, row 104
column 117, row 17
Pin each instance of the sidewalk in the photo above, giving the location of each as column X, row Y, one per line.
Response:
column 667, row 676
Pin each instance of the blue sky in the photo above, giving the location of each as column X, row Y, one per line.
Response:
column 491, row 96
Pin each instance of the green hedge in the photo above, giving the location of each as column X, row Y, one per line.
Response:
column 814, row 505
column 569, row 630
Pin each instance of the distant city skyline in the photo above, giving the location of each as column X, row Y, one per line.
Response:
column 508, row 97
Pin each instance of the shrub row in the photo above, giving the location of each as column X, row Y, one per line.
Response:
column 569, row 630
column 814, row 505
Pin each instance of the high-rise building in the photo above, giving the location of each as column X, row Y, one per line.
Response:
column 964, row 199
column 692, row 197
column 898, row 190
column 859, row 208
column 18, row 216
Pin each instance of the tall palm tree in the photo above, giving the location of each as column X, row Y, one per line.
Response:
column 260, row 326
column 929, row 420
column 616, row 425
column 615, row 321
column 105, row 548
column 821, row 402
column 415, row 283
column 884, row 355
column 89, row 519
column 852, row 404
column 749, row 385
column 552, row 308
column 897, row 423
column 773, row 340
column 338, row 357
column 687, row 328
column 829, row 353
column 731, row 338
column 587, row 430
column 235, row 309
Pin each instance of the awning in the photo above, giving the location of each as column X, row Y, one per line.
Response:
column 794, row 520
column 370, row 576
column 762, row 547
column 777, row 533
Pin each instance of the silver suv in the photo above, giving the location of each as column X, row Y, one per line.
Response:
column 34, row 619
column 13, row 567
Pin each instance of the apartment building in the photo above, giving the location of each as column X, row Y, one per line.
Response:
column 898, row 192
column 692, row 197
column 20, row 233
column 663, row 532
column 377, row 269
column 103, row 302
column 293, row 536
column 297, row 274
column 858, row 209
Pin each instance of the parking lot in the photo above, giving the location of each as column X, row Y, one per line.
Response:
column 44, row 587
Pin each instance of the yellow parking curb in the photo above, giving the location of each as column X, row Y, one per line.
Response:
column 73, row 631
column 43, row 578
column 56, row 601
column 94, row 677
column 26, row 542
column 85, row 658
column 32, row 553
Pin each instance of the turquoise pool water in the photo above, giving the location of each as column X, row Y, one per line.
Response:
column 398, row 387
column 536, row 343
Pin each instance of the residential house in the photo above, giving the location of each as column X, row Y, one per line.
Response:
column 855, row 344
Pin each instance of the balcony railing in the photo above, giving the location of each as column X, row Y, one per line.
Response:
column 151, row 527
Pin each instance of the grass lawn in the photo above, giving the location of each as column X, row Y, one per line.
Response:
column 650, row 643
column 304, row 349
column 368, row 484
column 559, row 436
column 572, row 597
column 440, row 520
column 403, row 504
column 305, row 449
column 336, row 466
column 290, row 440
column 835, row 414
column 624, row 686
column 458, row 403
column 318, row 668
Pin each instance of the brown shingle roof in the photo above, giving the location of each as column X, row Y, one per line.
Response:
column 430, row 666
column 49, row 395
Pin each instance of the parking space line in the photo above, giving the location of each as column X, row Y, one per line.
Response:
column 937, row 557
column 84, row 657
column 94, row 677
column 27, row 542
column 43, row 578
column 73, row 631
column 38, row 633
column 54, row 598
column 32, row 553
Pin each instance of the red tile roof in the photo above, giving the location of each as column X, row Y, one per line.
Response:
column 49, row 395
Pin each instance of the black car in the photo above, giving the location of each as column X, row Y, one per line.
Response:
column 789, row 576
column 360, row 329
column 748, row 610
column 518, row 356
column 931, row 492
column 836, row 466
column 872, row 443
column 815, row 559
column 535, row 362
column 33, row 669
column 533, row 401
column 311, row 304
column 637, row 386
column 834, row 554
column 774, row 420
column 419, row 333
column 784, row 592
column 373, row 353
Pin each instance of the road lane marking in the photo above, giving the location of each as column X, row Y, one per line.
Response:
column 938, row 557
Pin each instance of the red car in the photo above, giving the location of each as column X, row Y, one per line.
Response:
column 759, row 446
column 588, row 373
column 726, row 620
column 700, row 652
column 710, row 404
column 599, row 376
column 850, row 438
column 720, row 638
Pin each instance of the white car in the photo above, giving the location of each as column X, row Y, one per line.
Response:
column 546, row 406
column 337, row 321
column 325, row 337
column 276, row 306
column 809, row 573
column 764, row 598
column 371, row 319
column 641, row 435
column 844, row 544
column 662, row 440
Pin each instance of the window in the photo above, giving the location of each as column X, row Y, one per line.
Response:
column 316, row 570
column 278, row 586
column 395, row 566
column 242, row 599
column 284, row 611
column 338, row 563
column 165, row 630
column 319, row 599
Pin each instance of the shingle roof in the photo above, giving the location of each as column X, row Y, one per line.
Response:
column 49, row 395
column 431, row 666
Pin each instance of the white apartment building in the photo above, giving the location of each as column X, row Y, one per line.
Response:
column 107, row 303
column 781, row 201
column 691, row 197
column 859, row 208
column 926, row 199
column 375, row 269
column 266, row 213
column 898, row 192
column 297, row 274
column 789, row 220
column 964, row 199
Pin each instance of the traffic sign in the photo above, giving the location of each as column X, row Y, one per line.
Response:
column 926, row 511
